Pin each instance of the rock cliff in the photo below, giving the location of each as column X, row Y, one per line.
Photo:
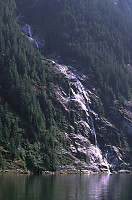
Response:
column 93, row 142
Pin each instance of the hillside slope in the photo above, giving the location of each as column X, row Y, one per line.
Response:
column 53, row 117
column 94, row 36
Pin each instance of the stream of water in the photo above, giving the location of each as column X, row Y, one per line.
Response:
column 27, row 30
column 87, row 103
column 74, row 78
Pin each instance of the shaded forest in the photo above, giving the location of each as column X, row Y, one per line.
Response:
column 94, row 36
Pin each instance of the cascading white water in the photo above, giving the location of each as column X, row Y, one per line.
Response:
column 79, row 101
column 92, row 151
column 87, row 103
column 74, row 77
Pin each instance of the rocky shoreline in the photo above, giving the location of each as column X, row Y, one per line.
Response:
column 65, row 172
column 17, row 171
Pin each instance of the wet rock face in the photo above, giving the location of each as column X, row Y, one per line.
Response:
column 127, row 120
column 92, row 138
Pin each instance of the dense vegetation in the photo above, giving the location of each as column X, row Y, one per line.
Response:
column 83, row 33
column 93, row 34
column 28, row 119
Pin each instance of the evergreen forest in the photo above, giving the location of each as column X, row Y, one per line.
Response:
column 93, row 36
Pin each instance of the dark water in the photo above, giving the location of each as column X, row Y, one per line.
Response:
column 66, row 187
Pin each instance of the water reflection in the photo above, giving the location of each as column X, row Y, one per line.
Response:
column 66, row 187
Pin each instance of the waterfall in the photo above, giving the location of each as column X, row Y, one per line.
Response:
column 87, row 103
column 36, row 44
column 78, row 101
column 30, row 34
column 18, row 17
column 26, row 29
column 72, row 75
column 29, row 30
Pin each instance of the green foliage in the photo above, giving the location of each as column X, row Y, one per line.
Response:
column 94, row 34
column 86, row 32
column 28, row 120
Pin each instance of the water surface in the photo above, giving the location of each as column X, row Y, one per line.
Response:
column 66, row 187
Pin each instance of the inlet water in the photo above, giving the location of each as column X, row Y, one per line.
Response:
column 66, row 187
